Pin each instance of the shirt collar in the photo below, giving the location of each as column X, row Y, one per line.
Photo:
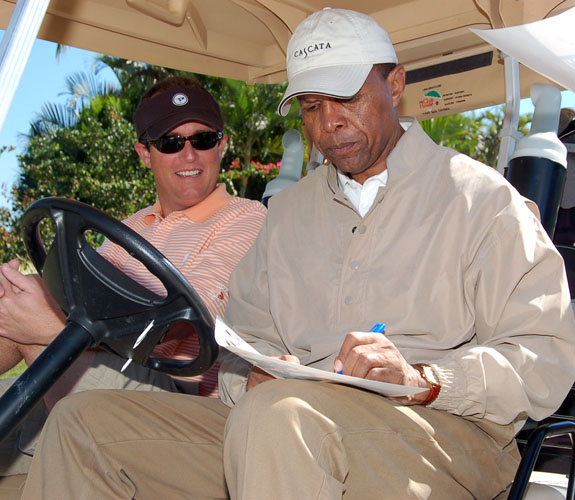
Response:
column 200, row 212
column 347, row 182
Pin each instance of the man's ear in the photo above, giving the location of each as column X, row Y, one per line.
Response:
column 143, row 153
column 396, row 80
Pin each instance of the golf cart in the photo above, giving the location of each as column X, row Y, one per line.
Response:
column 449, row 70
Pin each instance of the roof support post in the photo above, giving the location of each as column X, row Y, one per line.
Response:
column 16, row 46
column 509, row 133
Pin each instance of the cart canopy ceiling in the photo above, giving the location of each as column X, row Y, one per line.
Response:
column 450, row 69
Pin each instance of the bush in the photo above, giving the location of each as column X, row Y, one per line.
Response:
column 249, row 182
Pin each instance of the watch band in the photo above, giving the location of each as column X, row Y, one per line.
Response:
column 429, row 375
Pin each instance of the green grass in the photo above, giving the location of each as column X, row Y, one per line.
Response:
column 14, row 372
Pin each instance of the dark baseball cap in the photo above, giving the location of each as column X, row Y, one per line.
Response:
column 158, row 115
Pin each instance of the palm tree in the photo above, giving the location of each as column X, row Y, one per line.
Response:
column 81, row 88
column 134, row 78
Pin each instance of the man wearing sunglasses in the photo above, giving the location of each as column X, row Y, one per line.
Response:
column 202, row 229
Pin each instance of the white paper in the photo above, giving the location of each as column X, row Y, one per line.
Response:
column 546, row 46
column 230, row 340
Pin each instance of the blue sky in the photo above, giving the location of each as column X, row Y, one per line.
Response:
column 44, row 80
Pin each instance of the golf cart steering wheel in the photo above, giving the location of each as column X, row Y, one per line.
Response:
column 112, row 307
column 104, row 307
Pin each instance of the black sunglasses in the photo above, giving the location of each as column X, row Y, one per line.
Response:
column 202, row 141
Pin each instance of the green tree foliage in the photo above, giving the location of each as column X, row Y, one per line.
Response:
column 134, row 78
column 475, row 134
column 254, row 130
column 11, row 242
column 491, row 123
column 453, row 131
column 8, row 234
column 93, row 162
column 83, row 149
column 253, row 127
column 253, row 178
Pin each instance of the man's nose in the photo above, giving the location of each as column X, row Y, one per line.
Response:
column 332, row 116
column 189, row 151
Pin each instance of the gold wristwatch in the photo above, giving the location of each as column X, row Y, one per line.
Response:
column 431, row 378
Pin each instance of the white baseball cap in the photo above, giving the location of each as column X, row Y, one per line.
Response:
column 332, row 52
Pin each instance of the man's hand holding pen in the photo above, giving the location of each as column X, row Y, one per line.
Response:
column 375, row 357
column 368, row 355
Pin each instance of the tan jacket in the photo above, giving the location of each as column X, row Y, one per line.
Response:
column 450, row 257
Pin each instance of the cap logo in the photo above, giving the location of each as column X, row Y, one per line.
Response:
column 180, row 99
column 311, row 48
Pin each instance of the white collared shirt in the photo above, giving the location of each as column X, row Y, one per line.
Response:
column 363, row 195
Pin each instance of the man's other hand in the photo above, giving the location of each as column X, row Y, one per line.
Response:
column 28, row 313
column 257, row 375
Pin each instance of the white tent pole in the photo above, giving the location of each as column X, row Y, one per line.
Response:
column 16, row 46
column 509, row 133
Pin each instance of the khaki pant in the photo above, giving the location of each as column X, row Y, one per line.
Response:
column 92, row 370
column 285, row 439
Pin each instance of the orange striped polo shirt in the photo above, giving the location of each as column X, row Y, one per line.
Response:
column 205, row 242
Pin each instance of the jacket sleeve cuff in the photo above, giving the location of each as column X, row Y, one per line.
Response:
column 453, row 386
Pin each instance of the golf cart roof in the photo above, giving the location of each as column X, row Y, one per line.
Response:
column 247, row 39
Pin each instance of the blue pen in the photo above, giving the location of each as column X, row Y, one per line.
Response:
column 377, row 328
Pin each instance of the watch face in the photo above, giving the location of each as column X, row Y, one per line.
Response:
column 429, row 374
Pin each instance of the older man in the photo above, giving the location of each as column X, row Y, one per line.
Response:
column 201, row 228
column 394, row 229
